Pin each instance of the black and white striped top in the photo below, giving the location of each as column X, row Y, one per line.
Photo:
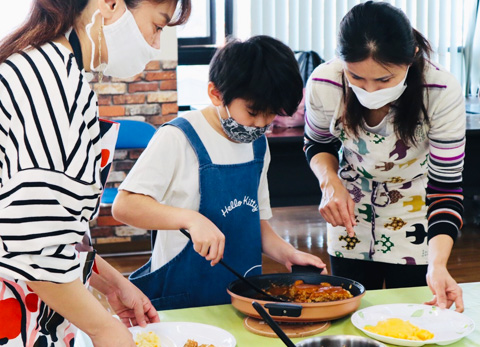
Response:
column 50, row 153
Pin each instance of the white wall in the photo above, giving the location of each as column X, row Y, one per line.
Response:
column 169, row 44
column 12, row 15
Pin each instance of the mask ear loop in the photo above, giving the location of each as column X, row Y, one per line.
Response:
column 228, row 111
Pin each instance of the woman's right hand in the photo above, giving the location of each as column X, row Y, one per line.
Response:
column 113, row 334
column 208, row 240
column 337, row 206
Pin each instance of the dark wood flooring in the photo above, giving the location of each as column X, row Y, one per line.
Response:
column 304, row 228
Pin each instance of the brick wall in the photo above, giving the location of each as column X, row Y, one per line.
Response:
column 151, row 96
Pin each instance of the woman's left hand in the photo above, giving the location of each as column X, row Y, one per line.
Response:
column 131, row 305
column 303, row 258
column 445, row 289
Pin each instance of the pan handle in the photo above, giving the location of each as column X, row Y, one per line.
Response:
column 288, row 310
column 272, row 324
column 307, row 269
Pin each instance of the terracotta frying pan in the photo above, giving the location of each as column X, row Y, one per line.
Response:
column 243, row 296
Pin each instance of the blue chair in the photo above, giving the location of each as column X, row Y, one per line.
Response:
column 133, row 134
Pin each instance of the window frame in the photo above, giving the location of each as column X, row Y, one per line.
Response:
column 203, row 40
column 200, row 50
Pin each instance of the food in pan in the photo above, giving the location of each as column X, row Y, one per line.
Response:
column 304, row 292
column 400, row 329
column 193, row 343
column 149, row 339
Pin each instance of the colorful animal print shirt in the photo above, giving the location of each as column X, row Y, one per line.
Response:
column 404, row 194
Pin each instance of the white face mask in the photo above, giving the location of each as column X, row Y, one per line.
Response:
column 128, row 51
column 379, row 98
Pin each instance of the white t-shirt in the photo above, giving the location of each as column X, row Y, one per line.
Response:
column 168, row 172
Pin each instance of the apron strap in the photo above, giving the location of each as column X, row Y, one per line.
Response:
column 193, row 138
column 373, row 200
column 259, row 148
column 198, row 147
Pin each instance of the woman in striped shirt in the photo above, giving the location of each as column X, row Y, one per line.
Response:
column 393, row 199
column 50, row 167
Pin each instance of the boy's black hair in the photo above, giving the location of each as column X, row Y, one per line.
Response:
column 261, row 70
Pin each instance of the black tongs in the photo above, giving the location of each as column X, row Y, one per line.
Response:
column 245, row 280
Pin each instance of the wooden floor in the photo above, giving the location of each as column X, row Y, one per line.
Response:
column 304, row 228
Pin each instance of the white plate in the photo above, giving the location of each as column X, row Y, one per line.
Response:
column 447, row 326
column 176, row 334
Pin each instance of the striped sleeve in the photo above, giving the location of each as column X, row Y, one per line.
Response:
column 445, row 163
column 318, row 117
column 49, row 164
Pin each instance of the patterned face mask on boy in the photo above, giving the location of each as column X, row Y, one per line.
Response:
column 238, row 132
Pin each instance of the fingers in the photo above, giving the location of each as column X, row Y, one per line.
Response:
column 201, row 247
column 211, row 246
column 347, row 222
column 431, row 302
column 332, row 215
column 459, row 303
column 441, row 297
column 457, row 296
column 126, row 321
column 305, row 259
column 212, row 252
column 139, row 315
column 221, row 249
column 340, row 214
column 325, row 213
column 151, row 313
column 351, row 212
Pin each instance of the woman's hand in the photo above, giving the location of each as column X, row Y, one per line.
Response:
column 208, row 240
column 131, row 305
column 445, row 289
column 128, row 302
column 337, row 206
column 73, row 301
column 113, row 334
column 304, row 259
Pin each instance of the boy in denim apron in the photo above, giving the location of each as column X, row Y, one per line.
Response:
column 206, row 172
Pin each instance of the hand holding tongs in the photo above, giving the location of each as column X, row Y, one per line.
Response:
column 245, row 280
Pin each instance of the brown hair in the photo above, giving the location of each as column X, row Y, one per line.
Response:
column 48, row 19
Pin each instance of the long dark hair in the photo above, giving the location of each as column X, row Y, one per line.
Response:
column 48, row 19
column 384, row 33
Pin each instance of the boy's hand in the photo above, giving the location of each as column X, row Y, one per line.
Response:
column 302, row 258
column 208, row 240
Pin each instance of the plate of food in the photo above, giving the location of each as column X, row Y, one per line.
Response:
column 413, row 324
column 190, row 334
column 173, row 334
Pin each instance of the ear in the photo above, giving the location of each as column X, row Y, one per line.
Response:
column 111, row 10
column 214, row 94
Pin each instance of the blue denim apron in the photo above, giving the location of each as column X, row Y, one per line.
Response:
column 228, row 197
